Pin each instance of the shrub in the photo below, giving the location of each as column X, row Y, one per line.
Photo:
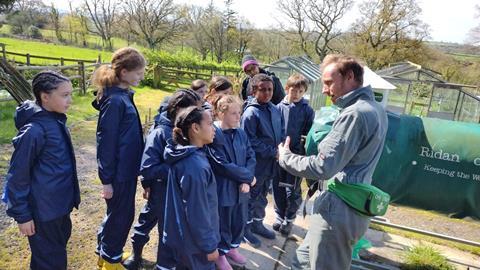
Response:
column 34, row 32
column 425, row 258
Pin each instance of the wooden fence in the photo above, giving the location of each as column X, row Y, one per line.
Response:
column 79, row 72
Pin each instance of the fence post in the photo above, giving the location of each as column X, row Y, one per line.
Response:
column 99, row 59
column 81, row 72
column 28, row 59
column 4, row 53
column 62, row 61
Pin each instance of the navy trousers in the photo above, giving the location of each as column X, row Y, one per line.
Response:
column 258, row 199
column 287, row 195
column 49, row 244
column 147, row 219
column 232, row 223
column 113, row 231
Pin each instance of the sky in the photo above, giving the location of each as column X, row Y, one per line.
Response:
column 449, row 21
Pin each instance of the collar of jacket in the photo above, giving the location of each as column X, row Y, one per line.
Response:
column 349, row 98
column 300, row 102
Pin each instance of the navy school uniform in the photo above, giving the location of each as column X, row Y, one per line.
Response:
column 42, row 184
column 287, row 193
column 119, row 152
column 191, row 215
column 154, row 172
column 233, row 205
column 264, row 127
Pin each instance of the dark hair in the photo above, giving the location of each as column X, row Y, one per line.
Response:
column 344, row 64
column 182, row 98
column 109, row 75
column 217, row 84
column 185, row 119
column 46, row 82
column 260, row 77
column 297, row 80
column 197, row 84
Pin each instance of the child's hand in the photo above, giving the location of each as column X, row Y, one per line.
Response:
column 212, row 256
column 107, row 191
column 27, row 228
column 244, row 188
column 253, row 182
column 146, row 193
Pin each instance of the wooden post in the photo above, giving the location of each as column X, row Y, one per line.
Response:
column 4, row 53
column 28, row 59
column 99, row 59
column 81, row 72
column 62, row 61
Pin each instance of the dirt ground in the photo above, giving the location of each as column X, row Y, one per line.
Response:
column 14, row 253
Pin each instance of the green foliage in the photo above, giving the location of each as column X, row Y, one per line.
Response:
column 8, row 130
column 184, row 59
column 425, row 258
column 33, row 32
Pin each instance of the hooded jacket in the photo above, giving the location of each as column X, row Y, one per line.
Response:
column 191, row 211
column 41, row 182
column 264, row 126
column 278, row 91
column 119, row 136
column 153, row 166
column 298, row 118
column 238, row 151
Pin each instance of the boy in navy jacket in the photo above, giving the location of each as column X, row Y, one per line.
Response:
column 264, row 126
column 42, row 185
column 298, row 116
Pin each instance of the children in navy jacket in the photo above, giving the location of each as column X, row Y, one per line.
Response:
column 233, row 192
column 298, row 117
column 119, row 149
column 41, row 184
column 154, row 172
column 191, row 214
column 264, row 126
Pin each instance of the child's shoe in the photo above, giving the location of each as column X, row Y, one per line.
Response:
column 286, row 228
column 259, row 228
column 250, row 238
column 235, row 258
column 276, row 225
column 222, row 263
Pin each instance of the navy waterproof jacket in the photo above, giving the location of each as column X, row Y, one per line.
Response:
column 191, row 212
column 238, row 151
column 222, row 167
column 119, row 136
column 264, row 126
column 153, row 166
column 41, row 182
column 298, row 121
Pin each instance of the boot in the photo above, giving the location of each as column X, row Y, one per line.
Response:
column 286, row 228
column 134, row 261
column 259, row 228
column 235, row 258
column 222, row 263
column 112, row 266
column 276, row 225
column 250, row 238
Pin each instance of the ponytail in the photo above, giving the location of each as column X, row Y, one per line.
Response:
column 103, row 77
column 109, row 75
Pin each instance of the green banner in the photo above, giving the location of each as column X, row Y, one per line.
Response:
column 426, row 163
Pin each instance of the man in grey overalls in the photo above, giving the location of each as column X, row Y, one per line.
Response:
column 348, row 153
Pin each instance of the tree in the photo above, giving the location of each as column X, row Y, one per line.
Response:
column 154, row 21
column 389, row 31
column 198, row 40
column 102, row 14
column 6, row 5
column 295, row 13
column 474, row 34
column 315, row 22
column 55, row 19
column 26, row 13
